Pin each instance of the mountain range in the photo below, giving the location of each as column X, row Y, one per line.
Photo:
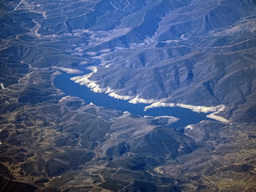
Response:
column 192, row 54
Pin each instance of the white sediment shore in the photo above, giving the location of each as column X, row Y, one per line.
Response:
column 84, row 80
column 199, row 109
column 2, row 85
column 216, row 117
column 68, row 70
column 136, row 100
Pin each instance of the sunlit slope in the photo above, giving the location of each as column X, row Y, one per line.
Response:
column 185, row 52
column 196, row 54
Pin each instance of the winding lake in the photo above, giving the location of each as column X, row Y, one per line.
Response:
column 69, row 87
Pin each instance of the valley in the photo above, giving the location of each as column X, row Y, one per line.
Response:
column 127, row 95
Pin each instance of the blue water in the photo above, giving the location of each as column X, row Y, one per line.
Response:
column 69, row 87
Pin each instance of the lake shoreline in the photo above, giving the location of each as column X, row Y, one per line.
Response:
column 69, row 87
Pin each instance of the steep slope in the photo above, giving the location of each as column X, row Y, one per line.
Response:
column 195, row 51
column 189, row 53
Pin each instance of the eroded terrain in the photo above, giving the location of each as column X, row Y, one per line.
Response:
column 194, row 54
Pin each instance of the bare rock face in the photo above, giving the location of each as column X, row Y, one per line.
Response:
column 186, row 53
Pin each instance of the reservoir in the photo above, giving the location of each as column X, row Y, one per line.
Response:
column 69, row 87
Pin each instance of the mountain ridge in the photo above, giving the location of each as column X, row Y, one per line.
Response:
column 185, row 53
